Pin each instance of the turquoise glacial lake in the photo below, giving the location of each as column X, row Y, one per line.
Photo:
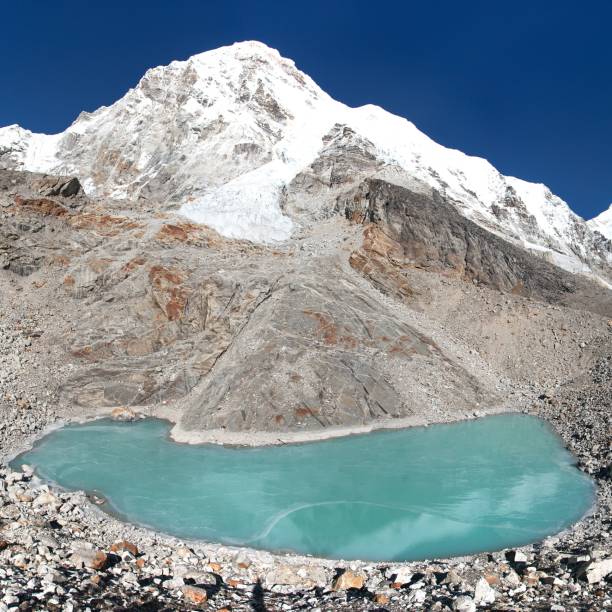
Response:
column 408, row 494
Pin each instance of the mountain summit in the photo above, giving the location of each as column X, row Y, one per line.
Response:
column 244, row 142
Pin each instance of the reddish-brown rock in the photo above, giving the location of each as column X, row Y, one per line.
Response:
column 124, row 546
column 195, row 595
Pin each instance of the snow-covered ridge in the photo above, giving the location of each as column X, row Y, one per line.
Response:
column 603, row 223
column 223, row 133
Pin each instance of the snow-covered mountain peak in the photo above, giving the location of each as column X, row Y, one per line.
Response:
column 226, row 134
column 238, row 75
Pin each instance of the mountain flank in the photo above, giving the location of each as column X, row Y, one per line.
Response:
column 228, row 248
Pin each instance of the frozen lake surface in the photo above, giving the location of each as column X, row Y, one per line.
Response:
column 408, row 494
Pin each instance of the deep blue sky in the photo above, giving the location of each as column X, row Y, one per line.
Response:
column 528, row 85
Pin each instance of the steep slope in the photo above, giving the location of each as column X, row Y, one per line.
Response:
column 602, row 223
column 225, row 335
column 225, row 134
column 411, row 229
column 369, row 318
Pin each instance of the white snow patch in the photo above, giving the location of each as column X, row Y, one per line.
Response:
column 246, row 207
column 602, row 223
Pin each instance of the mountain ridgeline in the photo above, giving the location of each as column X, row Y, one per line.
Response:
column 229, row 135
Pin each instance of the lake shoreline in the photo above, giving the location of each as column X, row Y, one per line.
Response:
column 291, row 577
column 410, row 450
column 257, row 438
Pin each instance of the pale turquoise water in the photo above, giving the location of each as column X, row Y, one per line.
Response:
column 398, row 495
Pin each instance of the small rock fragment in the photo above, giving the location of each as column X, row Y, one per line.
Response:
column 464, row 604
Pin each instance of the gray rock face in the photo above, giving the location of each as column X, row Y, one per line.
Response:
column 342, row 163
column 433, row 236
column 21, row 238
column 319, row 351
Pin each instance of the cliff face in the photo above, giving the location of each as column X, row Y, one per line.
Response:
column 423, row 230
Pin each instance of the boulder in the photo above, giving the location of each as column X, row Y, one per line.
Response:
column 124, row 546
column 302, row 576
column 205, row 578
column 349, row 580
column 64, row 186
column 176, row 582
column 519, row 557
column 14, row 477
column 92, row 559
column 598, row 570
column 382, row 599
column 483, row 593
column 512, row 579
column 49, row 541
column 399, row 575
column 194, row 595
column 45, row 499
column 28, row 471
column 452, row 578
column 123, row 413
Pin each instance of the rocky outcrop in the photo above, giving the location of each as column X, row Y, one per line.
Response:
column 344, row 159
column 22, row 235
column 320, row 352
column 380, row 259
column 427, row 232
column 66, row 187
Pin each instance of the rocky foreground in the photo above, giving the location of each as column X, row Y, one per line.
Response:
column 58, row 551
